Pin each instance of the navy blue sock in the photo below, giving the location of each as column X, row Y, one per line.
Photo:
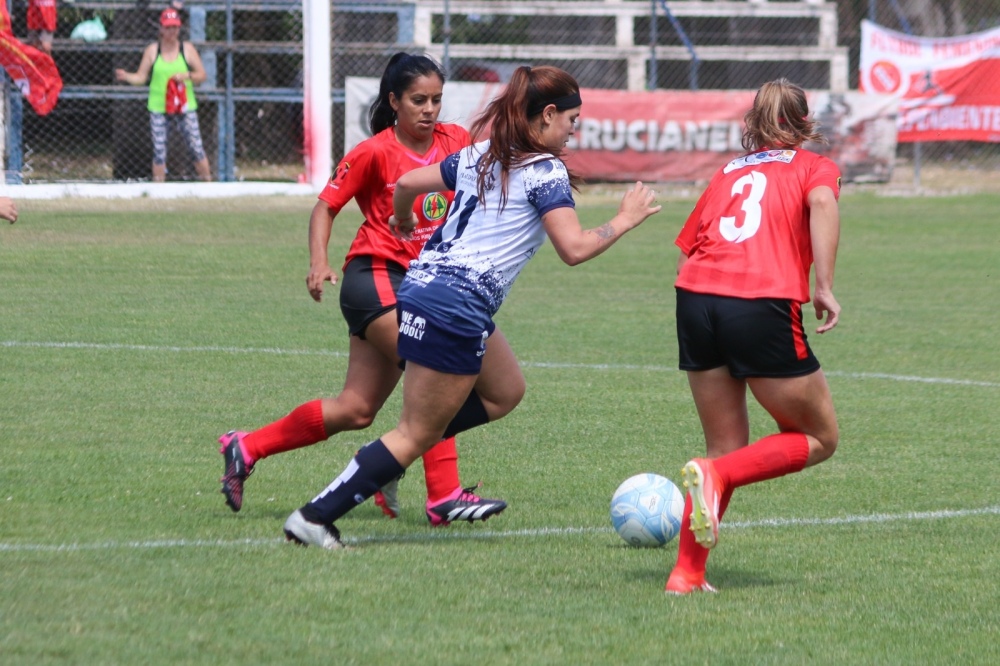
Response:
column 371, row 468
column 471, row 414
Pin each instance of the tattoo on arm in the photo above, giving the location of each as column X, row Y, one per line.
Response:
column 605, row 231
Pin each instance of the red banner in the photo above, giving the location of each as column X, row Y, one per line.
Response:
column 946, row 87
column 685, row 136
column 34, row 72
column 657, row 136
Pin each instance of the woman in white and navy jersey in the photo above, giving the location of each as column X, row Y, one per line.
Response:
column 511, row 192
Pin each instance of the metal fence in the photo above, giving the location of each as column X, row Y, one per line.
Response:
column 251, row 107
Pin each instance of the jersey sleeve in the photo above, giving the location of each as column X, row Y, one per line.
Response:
column 689, row 232
column 449, row 170
column 824, row 172
column 352, row 176
column 547, row 186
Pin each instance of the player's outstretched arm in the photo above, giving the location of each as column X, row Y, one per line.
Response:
column 575, row 245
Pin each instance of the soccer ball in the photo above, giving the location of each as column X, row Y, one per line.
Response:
column 646, row 510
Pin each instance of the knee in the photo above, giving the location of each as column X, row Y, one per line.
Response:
column 354, row 414
column 500, row 400
column 512, row 392
column 825, row 444
column 361, row 419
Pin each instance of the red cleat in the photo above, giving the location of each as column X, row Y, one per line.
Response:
column 685, row 582
column 705, row 488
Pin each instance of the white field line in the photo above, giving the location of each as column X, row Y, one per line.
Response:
column 526, row 364
column 479, row 534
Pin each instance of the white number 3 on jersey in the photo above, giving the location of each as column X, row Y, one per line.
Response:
column 751, row 208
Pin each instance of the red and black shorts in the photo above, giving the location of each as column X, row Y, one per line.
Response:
column 753, row 337
column 368, row 290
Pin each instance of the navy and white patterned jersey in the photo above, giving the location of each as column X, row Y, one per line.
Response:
column 468, row 266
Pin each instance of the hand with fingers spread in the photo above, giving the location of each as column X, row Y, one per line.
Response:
column 638, row 204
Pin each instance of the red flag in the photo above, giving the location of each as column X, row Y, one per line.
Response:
column 34, row 72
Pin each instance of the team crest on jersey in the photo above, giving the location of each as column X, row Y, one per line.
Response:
column 435, row 206
column 341, row 172
column 785, row 156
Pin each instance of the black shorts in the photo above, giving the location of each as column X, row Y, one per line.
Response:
column 368, row 290
column 753, row 337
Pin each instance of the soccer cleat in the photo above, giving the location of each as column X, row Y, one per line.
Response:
column 683, row 582
column 463, row 504
column 236, row 469
column 305, row 533
column 705, row 488
column 387, row 498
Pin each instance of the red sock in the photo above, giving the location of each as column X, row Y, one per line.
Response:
column 301, row 427
column 691, row 556
column 767, row 458
column 441, row 470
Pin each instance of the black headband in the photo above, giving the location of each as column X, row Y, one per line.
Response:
column 562, row 103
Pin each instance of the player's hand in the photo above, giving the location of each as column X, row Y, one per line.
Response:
column 638, row 203
column 826, row 306
column 8, row 209
column 402, row 228
column 317, row 276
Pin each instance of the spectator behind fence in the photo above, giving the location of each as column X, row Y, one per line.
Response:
column 41, row 24
column 173, row 68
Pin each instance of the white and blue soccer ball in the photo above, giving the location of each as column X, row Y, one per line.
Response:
column 646, row 510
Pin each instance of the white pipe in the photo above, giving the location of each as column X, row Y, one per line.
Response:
column 317, row 107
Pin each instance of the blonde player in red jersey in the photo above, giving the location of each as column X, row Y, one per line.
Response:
column 743, row 275
column 405, row 136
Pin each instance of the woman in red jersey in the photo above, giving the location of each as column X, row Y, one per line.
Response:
column 743, row 275
column 405, row 136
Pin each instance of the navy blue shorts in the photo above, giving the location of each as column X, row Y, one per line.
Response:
column 438, row 346
column 753, row 337
column 368, row 290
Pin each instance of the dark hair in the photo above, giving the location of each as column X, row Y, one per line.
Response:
column 403, row 69
column 512, row 141
column 779, row 118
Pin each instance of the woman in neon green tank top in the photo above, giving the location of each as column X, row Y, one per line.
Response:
column 170, row 59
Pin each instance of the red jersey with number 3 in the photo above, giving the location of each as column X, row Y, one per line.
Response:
column 748, row 235
column 368, row 174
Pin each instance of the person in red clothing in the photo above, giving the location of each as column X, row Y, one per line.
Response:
column 405, row 136
column 41, row 24
column 747, row 248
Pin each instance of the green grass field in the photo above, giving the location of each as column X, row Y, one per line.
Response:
column 132, row 334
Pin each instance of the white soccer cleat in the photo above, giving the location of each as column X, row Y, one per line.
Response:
column 305, row 533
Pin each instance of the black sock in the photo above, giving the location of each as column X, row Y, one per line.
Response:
column 371, row 468
column 471, row 414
